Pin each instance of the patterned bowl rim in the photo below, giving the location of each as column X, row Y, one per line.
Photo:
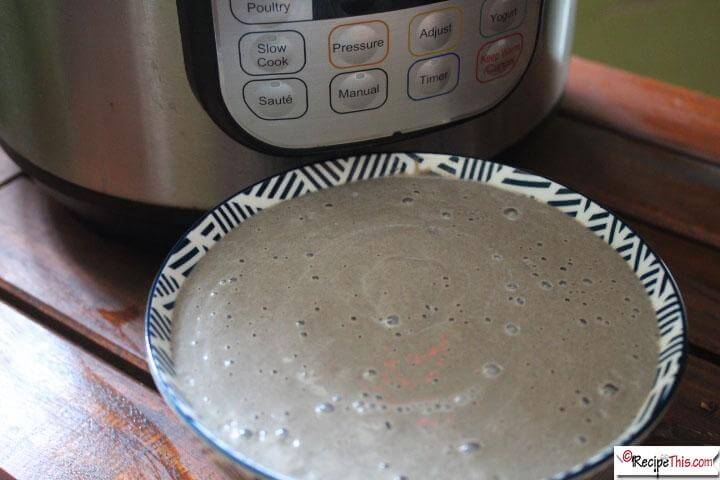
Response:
column 655, row 276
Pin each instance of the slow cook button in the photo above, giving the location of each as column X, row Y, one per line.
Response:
column 271, row 11
column 435, row 31
column 280, row 99
column 358, row 91
column 266, row 53
column 499, row 57
column 358, row 44
column 433, row 77
column 501, row 15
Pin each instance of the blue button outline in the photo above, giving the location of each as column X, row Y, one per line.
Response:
column 457, row 80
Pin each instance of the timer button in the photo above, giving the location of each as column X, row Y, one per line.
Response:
column 358, row 44
column 278, row 99
column 358, row 91
column 501, row 15
column 435, row 31
column 267, row 53
column 499, row 57
column 433, row 77
column 271, row 11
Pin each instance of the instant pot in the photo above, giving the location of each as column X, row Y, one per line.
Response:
column 134, row 108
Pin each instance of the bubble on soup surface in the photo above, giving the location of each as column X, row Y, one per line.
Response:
column 608, row 390
column 491, row 369
column 469, row 447
column 324, row 408
column 511, row 213
column 512, row 329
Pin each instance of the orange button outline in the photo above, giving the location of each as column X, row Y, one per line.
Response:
column 435, row 52
column 387, row 39
column 477, row 57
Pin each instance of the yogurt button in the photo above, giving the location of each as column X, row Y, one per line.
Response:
column 433, row 77
column 276, row 99
column 357, row 91
column 435, row 31
column 358, row 44
column 501, row 15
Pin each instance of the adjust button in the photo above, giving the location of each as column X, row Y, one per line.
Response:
column 358, row 44
column 358, row 91
column 435, row 31
column 271, row 11
column 434, row 76
column 264, row 53
column 501, row 15
column 278, row 99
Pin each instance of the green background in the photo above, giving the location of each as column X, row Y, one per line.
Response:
column 677, row 41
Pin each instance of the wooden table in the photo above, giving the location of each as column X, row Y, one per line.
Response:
column 76, row 399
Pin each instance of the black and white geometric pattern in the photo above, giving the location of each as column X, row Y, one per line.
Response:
column 653, row 274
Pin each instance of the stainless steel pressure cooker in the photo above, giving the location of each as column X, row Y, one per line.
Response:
column 135, row 105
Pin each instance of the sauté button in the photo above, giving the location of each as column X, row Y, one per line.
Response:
column 434, row 76
column 265, row 53
column 435, row 31
column 358, row 44
column 271, row 11
column 279, row 99
column 358, row 91
column 498, row 58
column 501, row 15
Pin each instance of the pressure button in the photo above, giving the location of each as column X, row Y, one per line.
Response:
column 280, row 99
column 358, row 44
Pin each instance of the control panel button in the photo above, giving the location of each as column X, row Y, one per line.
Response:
column 277, row 99
column 434, row 76
column 271, row 11
column 267, row 53
column 498, row 58
column 358, row 44
column 358, row 91
column 435, row 31
column 501, row 15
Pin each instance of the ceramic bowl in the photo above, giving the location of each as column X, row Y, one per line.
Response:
column 649, row 269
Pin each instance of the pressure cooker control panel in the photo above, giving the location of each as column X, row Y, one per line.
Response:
column 304, row 74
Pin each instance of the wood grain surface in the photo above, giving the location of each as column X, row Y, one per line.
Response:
column 95, row 285
column 649, row 109
column 635, row 179
column 66, row 415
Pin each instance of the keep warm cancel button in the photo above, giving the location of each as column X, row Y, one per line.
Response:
column 498, row 58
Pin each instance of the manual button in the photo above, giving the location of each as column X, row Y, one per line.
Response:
column 266, row 53
column 271, row 11
column 280, row 99
column 358, row 44
column 358, row 91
